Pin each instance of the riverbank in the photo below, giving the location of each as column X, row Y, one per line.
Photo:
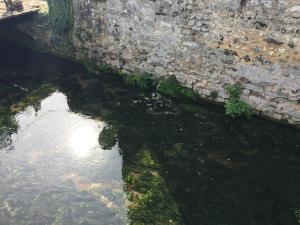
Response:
column 77, row 148
column 206, row 46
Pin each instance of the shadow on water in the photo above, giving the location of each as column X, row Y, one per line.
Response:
column 159, row 161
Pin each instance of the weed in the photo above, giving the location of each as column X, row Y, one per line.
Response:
column 234, row 107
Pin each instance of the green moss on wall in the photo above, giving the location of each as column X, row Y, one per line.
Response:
column 142, row 81
column 96, row 68
column 168, row 86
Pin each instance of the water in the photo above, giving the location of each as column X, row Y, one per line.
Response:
column 79, row 148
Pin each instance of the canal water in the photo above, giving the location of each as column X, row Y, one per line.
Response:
column 79, row 148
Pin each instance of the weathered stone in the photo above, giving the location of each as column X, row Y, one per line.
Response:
column 206, row 44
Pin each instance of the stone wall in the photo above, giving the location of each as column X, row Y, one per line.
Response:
column 206, row 44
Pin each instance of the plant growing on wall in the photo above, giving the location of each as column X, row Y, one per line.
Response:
column 235, row 107
column 60, row 16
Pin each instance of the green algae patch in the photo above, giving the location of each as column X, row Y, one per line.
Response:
column 8, row 125
column 7, row 120
column 147, row 160
column 171, row 87
column 103, row 67
column 168, row 86
column 96, row 68
column 108, row 137
column 150, row 199
column 142, row 81
column 34, row 97
column 89, row 66
column 297, row 215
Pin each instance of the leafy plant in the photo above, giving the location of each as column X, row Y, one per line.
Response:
column 168, row 86
column 234, row 91
column 234, row 107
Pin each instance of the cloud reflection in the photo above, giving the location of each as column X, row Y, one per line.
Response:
column 57, row 154
column 69, row 131
column 85, row 138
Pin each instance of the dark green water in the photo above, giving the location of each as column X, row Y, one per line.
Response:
column 78, row 148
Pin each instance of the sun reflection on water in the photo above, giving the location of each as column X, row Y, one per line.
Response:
column 84, row 138
column 57, row 153
column 71, row 132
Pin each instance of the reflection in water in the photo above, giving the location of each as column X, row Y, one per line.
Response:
column 181, row 163
column 58, row 173
column 84, row 138
column 72, row 132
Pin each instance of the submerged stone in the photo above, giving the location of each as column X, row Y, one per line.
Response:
column 108, row 137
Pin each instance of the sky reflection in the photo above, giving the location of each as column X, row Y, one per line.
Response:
column 56, row 153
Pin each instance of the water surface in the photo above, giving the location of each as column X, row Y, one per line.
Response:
column 79, row 148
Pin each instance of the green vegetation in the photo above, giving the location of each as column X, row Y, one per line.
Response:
column 104, row 68
column 34, row 97
column 234, row 91
column 8, row 124
column 7, row 121
column 171, row 87
column 90, row 66
column 150, row 199
column 234, row 107
column 147, row 160
column 95, row 68
column 142, row 81
column 168, row 86
column 297, row 214
column 60, row 16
